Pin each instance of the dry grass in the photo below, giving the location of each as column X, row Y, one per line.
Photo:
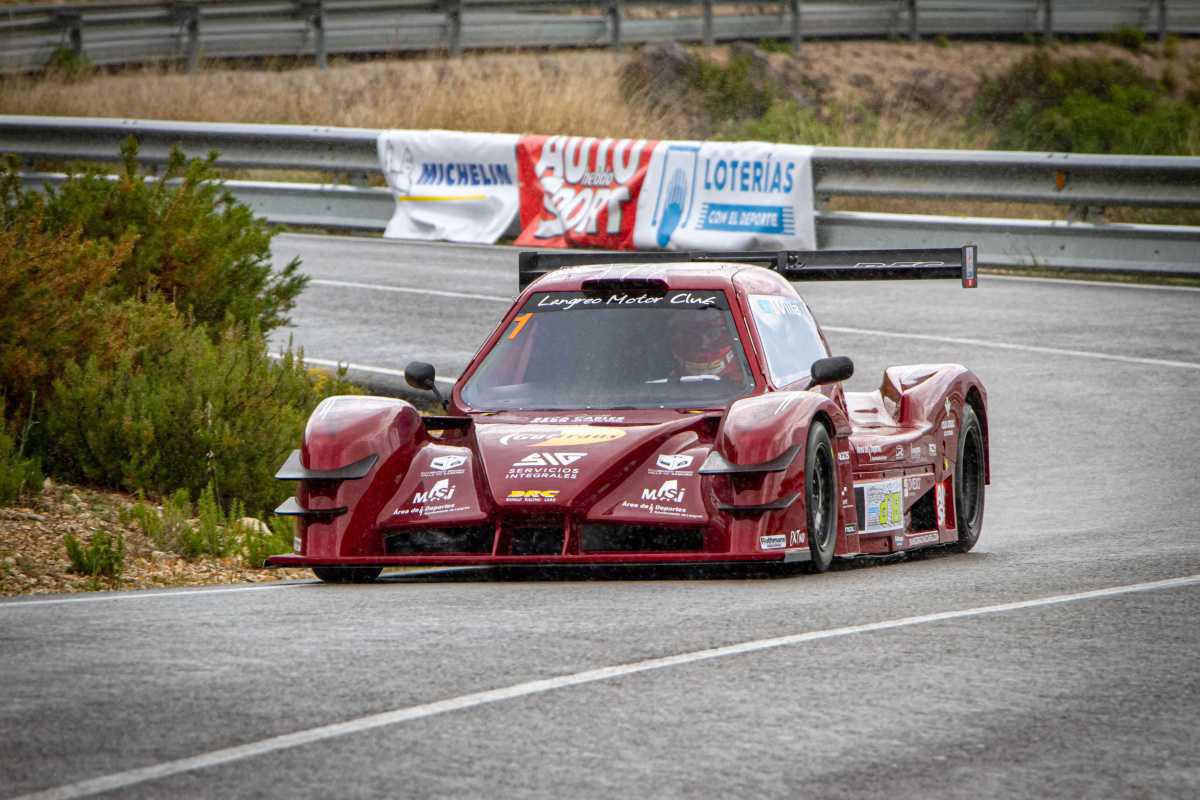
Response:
column 574, row 93
column 877, row 94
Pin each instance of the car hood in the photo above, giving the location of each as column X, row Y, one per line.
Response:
column 603, row 471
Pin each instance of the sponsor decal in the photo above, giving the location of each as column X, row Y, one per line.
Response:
column 899, row 452
column 549, row 459
column 450, row 185
column 580, row 192
column 297, row 546
column 782, row 306
column 579, row 419
column 914, row 452
column 932, row 448
column 532, row 495
column 439, row 499
column 445, row 465
column 948, row 425
column 669, row 492
column 666, row 500
column 851, row 529
column 553, row 466
column 562, row 437
column 912, row 486
column 941, row 505
column 874, row 451
column 899, row 541
column 796, row 538
column 673, row 463
column 726, row 195
column 882, row 505
column 442, row 490
column 844, row 455
column 923, row 538
column 774, row 542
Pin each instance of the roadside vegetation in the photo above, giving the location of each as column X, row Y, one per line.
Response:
column 1121, row 94
column 134, row 311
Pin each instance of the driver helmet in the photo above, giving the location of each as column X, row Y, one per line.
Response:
column 702, row 345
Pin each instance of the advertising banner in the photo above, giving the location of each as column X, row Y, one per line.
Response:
column 727, row 196
column 458, row 187
column 580, row 192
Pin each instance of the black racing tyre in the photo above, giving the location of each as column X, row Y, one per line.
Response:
column 347, row 574
column 969, row 481
column 820, row 497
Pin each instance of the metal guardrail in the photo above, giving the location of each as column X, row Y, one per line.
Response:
column 189, row 30
column 1085, row 183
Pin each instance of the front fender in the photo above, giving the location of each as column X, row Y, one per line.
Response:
column 757, row 470
column 336, row 514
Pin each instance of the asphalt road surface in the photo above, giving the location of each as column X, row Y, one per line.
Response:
column 1058, row 659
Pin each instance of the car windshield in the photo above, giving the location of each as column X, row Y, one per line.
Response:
column 571, row 350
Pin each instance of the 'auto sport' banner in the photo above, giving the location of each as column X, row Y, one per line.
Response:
column 460, row 187
column 727, row 196
column 580, row 192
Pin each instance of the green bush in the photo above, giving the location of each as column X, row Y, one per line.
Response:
column 191, row 241
column 104, row 555
column 1171, row 46
column 733, row 90
column 256, row 545
column 775, row 45
column 1085, row 105
column 167, row 530
column 178, row 409
column 52, row 294
column 1131, row 38
column 19, row 476
column 67, row 65
column 785, row 121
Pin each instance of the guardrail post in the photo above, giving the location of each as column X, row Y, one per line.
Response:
column 72, row 24
column 914, row 32
column 616, row 10
column 1048, row 20
column 313, row 12
column 797, row 33
column 454, row 9
column 709, row 39
column 189, row 19
column 1162, row 21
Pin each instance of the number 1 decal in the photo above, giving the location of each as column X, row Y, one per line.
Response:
column 521, row 320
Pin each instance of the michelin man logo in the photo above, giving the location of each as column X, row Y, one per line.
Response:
column 400, row 167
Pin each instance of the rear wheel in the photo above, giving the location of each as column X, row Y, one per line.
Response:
column 347, row 574
column 969, row 482
column 820, row 497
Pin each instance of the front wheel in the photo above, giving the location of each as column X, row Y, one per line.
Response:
column 347, row 574
column 820, row 497
column 969, row 482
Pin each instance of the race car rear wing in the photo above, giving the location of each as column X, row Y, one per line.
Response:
column 795, row 265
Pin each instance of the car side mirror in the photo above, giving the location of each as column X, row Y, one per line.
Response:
column 831, row 370
column 420, row 375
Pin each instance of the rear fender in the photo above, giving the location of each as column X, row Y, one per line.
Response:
column 772, row 429
column 935, row 395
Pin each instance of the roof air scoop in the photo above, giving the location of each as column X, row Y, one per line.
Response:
column 633, row 284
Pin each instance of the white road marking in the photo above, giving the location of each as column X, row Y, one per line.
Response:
column 383, row 287
column 1030, row 348
column 143, row 595
column 1164, row 287
column 121, row 780
column 325, row 362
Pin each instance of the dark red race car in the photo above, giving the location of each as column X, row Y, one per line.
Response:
column 660, row 407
